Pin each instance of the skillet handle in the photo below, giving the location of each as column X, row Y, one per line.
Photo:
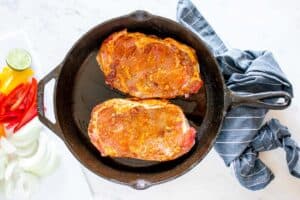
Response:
column 257, row 100
column 140, row 15
column 40, row 101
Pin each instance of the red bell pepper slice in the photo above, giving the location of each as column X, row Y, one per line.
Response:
column 31, row 108
column 2, row 97
column 19, row 106
column 12, row 123
column 31, row 94
column 7, row 117
column 21, row 97
column 29, row 115
column 13, row 96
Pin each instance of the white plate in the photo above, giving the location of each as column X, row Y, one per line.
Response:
column 68, row 181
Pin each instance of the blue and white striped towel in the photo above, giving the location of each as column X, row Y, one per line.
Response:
column 243, row 134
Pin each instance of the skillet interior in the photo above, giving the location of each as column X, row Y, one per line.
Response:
column 81, row 86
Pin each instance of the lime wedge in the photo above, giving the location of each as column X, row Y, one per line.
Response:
column 18, row 59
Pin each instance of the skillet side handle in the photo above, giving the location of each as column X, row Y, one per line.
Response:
column 140, row 184
column 40, row 101
column 140, row 15
column 257, row 100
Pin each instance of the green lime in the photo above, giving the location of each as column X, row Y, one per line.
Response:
column 18, row 59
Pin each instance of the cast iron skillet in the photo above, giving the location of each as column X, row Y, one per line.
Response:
column 80, row 86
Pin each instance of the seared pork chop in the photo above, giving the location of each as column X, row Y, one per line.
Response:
column 153, row 130
column 146, row 66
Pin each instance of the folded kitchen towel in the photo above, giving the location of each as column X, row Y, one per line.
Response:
column 243, row 134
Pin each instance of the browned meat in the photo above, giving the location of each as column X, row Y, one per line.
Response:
column 146, row 66
column 143, row 129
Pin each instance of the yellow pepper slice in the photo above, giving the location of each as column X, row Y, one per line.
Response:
column 9, row 78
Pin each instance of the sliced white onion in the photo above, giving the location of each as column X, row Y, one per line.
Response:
column 38, row 160
column 25, row 131
column 24, row 156
column 9, row 186
column 25, row 185
column 7, row 146
column 1, row 186
column 27, row 151
column 3, row 163
column 10, row 169
column 27, row 134
column 12, row 173
column 2, row 152
column 50, row 165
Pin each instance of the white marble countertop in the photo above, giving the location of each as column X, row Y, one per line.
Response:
column 53, row 26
